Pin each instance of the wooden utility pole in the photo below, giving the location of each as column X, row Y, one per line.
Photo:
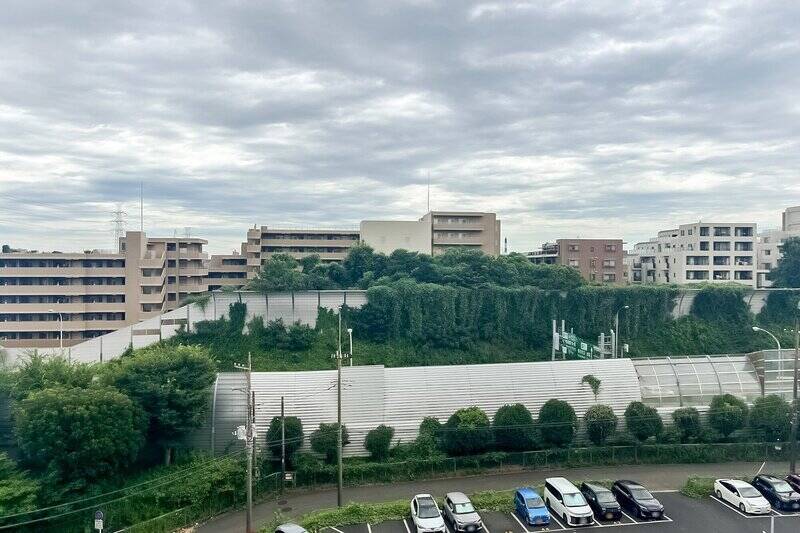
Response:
column 249, row 440
column 793, row 434
column 283, row 445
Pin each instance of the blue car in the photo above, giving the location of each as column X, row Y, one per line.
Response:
column 530, row 507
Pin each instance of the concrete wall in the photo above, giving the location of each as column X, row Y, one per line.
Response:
column 386, row 236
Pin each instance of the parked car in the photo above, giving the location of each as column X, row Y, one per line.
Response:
column 602, row 501
column 530, row 507
column 458, row 510
column 290, row 528
column 567, row 502
column 743, row 495
column 778, row 492
column 794, row 481
column 426, row 516
column 637, row 499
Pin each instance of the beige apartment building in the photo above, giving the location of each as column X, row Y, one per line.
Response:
column 83, row 295
column 464, row 229
column 227, row 271
column 598, row 260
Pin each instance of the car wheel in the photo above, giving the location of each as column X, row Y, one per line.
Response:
column 719, row 495
column 741, row 507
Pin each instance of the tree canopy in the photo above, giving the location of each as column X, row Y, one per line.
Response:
column 787, row 272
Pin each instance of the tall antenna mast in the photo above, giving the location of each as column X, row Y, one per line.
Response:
column 141, row 206
column 429, row 191
column 119, row 225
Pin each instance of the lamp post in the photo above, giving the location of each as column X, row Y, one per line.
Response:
column 793, row 432
column 780, row 358
column 616, row 329
column 60, row 330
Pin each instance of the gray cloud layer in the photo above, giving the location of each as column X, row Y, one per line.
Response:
column 600, row 118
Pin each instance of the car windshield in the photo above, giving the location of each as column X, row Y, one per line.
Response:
column 427, row 509
column 641, row 494
column 748, row 492
column 462, row 508
column 575, row 499
column 605, row 497
column 533, row 503
column 781, row 486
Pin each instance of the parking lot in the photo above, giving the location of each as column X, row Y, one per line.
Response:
column 683, row 515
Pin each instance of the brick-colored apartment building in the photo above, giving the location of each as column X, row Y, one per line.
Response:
column 598, row 260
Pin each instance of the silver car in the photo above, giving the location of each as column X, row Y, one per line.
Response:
column 426, row 516
column 458, row 510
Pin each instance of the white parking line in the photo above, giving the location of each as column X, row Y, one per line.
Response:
column 336, row 530
column 737, row 511
column 628, row 516
column 485, row 529
column 525, row 529
column 554, row 517
column 406, row 524
column 369, row 528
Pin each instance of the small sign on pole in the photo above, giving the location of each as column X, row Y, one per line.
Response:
column 98, row 520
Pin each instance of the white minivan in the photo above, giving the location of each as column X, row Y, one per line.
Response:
column 566, row 502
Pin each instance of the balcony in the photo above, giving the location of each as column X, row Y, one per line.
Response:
column 53, row 325
column 62, row 272
column 60, row 290
column 307, row 243
column 467, row 241
column 88, row 307
column 457, row 226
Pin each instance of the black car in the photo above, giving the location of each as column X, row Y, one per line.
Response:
column 637, row 499
column 602, row 501
column 794, row 481
column 778, row 492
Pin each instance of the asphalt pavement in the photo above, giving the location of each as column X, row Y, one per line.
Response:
column 655, row 477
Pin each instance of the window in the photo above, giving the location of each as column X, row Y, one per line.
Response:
column 744, row 232
column 690, row 231
column 683, row 233
column 743, row 246
column 722, row 275
column 696, row 274
column 743, row 274
column 611, row 247
column 609, row 263
column 573, row 248
column 610, row 277
column 704, row 231
column 722, row 231
column 767, row 252
column 573, row 263
column 722, row 247
column 743, row 260
column 721, row 260
column 696, row 260
column 703, row 246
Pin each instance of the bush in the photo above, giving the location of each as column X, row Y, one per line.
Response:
column 770, row 417
column 601, row 422
column 378, row 442
column 39, row 372
column 467, row 432
column 698, row 487
column 299, row 337
column 557, row 423
column 687, row 422
column 18, row 492
column 501, row 501
column 643, row 421
column 324, row 440
column 514, row 428
column 355, row 513
column 727, row 414
column 293, row 433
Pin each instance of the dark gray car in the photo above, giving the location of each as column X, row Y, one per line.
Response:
column 460, row 513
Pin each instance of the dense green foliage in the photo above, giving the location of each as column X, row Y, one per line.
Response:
column 593, row 382
column 79, row 435
column 513, row 428
column 727, row 414
column 18, row 492
column 467, row 431
column 557, row 423
column 378, row 441
column 687, row 422
column 722, row 302
column 39, row 373
column 787, row 272
column 601, row 422
column 292, row 432
column 698, row 487
column 324, row 440
column 643, row 421
column 770, row 416
column 171, row 384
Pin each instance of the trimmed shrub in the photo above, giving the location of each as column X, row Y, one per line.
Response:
column 378, row 442
column 643, row 421
column 770, row 417
column 467, row 431
column 324, row 440
column 727, row 414
column 557, row 423
column 698, row 487
column 601, row 422
column 687, row 422
column 514, row 428
column 293, row 433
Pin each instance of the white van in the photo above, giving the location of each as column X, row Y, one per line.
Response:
column 566, row 502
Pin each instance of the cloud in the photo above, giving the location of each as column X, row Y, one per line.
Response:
column 567, row 118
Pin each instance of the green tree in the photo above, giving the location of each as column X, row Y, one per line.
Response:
column 173, row 386
column 770, row 417
column 557, row 423
column 467, row 431
column 514, row 428
column 601, row 422
column 292, row 432
column 787, row 272
column 593, row 382
column 39, row 372
column 727, row 414
column 299, row 337
column 643, row 421
column 360, row 260
column 687, row 422
column 280, row 273
column 378, row 442
column 18, row 492
column 79, row 435
column 324, row 440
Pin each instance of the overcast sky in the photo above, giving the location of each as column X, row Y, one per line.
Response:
column 591, row 119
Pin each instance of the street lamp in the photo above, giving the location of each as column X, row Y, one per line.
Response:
column 793, row 432
column 60, row 330
column 616, row 329
column 780, row 358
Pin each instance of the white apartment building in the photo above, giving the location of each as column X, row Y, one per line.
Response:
column 701, row 252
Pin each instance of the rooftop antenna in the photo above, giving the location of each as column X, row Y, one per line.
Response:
column 505, row 241
column 187, row 232
column 141, row 206
column 429, row 191
column 119, row 225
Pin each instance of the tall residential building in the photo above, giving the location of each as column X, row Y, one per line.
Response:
column 386, row 236
column 95, row 292
column 598, row 260
column 227, row 271
column 694, row 253
column 770, row 241
column 464, row 229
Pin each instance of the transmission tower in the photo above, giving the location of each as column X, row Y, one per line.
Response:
column 119, row 225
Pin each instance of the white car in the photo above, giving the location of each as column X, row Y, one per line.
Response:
column 426, row 515
column 742, row 495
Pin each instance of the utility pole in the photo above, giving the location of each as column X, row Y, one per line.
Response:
column 249, row 441
column 339, row 356
column 793, row 434
column 283, row 446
